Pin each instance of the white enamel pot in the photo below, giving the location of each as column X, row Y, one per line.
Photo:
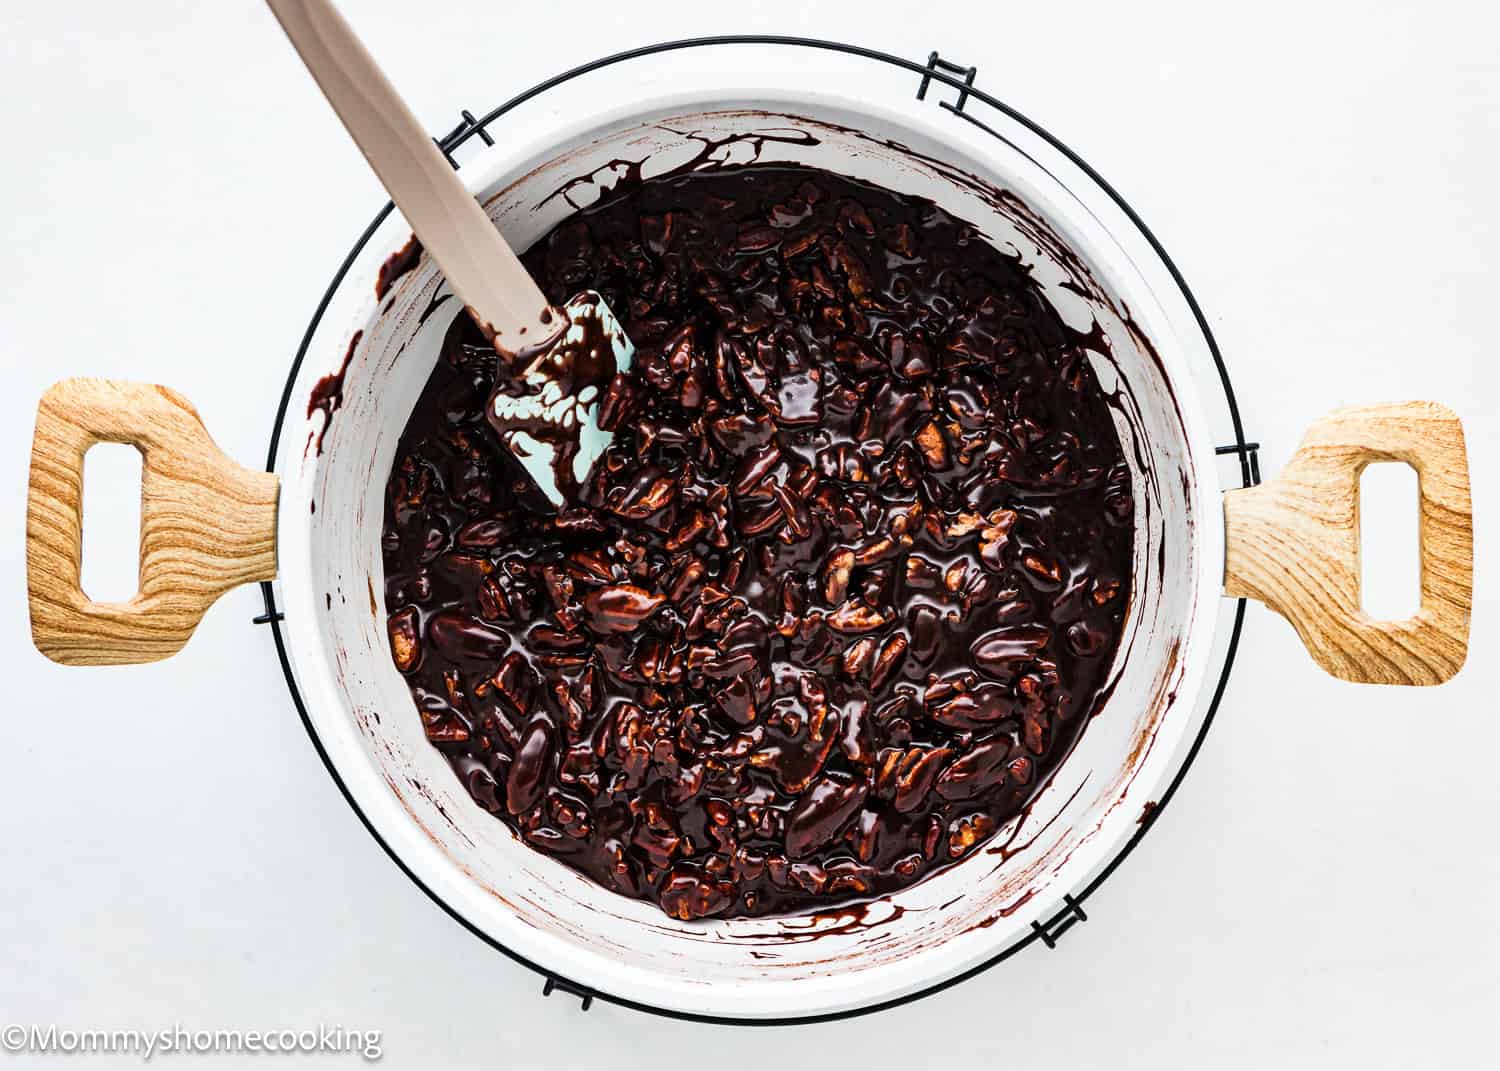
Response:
column 1292, row 543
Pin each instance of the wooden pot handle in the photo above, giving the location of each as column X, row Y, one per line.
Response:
column 1293, row 544
column 207, row 524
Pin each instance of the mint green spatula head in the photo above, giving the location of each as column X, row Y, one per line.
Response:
column 549, row 415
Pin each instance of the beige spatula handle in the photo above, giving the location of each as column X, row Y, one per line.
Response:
column 1293, row 543
column 482, row 268
column 207, row 524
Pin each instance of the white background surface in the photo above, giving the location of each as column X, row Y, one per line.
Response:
column 175, row 197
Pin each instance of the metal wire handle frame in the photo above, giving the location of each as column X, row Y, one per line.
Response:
column 960, row 79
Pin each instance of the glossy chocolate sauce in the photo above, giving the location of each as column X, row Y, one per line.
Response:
column 835, row 602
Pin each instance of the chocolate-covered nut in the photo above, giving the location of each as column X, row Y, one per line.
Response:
column 621, row 607
column 529, row 768
column 914, row 777
column 1000, row 651
column 889, row 661
column 466, row 640
column 964, row 833
column 980, row 708
column 406, row 643
column 975, row 772
column 824, row 809
column 686, row 895
column 855, row 617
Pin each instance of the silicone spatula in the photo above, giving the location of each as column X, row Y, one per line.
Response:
column 555, row 363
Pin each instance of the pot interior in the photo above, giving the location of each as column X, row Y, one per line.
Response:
column 333, row 582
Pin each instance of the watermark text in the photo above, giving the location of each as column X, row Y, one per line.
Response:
column 177, row 1039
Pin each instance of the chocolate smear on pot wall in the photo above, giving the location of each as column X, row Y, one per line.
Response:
column 839, row 596
column 396, row 265
column 328, row 393
column 618, row 175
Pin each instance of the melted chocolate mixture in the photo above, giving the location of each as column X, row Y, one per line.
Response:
column 839, row 597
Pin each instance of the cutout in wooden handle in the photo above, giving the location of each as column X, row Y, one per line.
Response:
column 207, row 525
column 1293, row 544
